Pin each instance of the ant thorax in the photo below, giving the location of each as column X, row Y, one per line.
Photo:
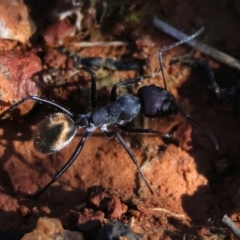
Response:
column 120, row 111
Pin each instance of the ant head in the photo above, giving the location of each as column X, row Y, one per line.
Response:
column 54, row 133
column 156, row 101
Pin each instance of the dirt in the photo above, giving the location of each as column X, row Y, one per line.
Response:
column 194, row 185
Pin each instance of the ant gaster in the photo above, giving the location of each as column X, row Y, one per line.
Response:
column 56, row 131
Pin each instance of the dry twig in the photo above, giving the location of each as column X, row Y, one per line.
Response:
column 210, row 51
column 99, row 44
column 231, row 225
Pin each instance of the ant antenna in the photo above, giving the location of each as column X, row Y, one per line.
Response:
column 172, row 46
column 211, row 136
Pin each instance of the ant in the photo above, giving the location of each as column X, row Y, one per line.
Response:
column 57, row 130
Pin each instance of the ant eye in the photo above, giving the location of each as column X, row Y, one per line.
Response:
column 54, row 133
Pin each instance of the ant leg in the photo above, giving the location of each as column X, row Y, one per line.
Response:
column 138, row 79
column 113, row 95
column 79, row 65
column 136, row 130
column 167, row 139
column 93, row 85
column 120, row 139
column 68, row 164
column 37, row 99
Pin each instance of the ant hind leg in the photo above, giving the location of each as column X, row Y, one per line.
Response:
column 123, row 143
column 39, row 100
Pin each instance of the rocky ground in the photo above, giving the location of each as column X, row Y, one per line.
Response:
column 194, row 184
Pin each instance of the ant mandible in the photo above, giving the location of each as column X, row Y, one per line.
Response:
column 56, row 131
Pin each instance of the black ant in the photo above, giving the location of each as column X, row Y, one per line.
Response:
column 56, row 131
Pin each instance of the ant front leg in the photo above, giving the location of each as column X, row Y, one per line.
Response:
column 166, row 138
column 113, row 95
column 139, row 79
column 93, row 85
column 136, row 130
column 39, row 100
